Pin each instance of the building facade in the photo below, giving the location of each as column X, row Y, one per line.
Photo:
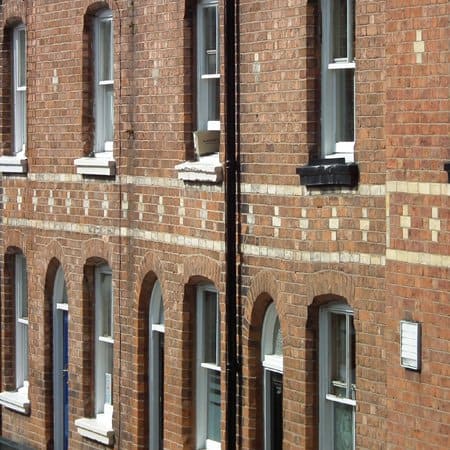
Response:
column 225, row 224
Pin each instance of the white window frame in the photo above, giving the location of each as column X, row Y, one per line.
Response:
column 19, row 91
column 21, row 314
column 272, row 363
column 331, row 66
column 103, row 146
column 104, row 350
column 204, row 368
column 156, row 332
column 204, row 100
column 328, row 400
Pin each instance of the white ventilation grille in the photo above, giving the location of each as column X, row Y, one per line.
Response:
column 410, row 345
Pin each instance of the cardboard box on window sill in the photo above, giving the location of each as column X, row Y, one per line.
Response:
column 206, row 142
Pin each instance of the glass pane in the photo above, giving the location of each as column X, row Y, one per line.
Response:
column 108, row 386
column 210, row 40
column 21, row 58
column 352, row 361
column 213, row 98
column 213, row 406
column 24, row 331
column 108, row 111
column 276, row 411
column 338, row 354
column 106, row 299
column 343, row 427
column 21, row 287
column 106, row 47
column 339, row 34
column 278, row 339
column 345, row 93
column 20, row 121
column 161, row 312
column 210, row 327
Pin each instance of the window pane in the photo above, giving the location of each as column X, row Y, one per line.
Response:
column 210, row 39
column 108, row 381
column 212, row 85
column 352, row 358
column 108, row 111
column 213, row 406
column 106, row 301
column 276, row 411
column 21, row 287
column 21, row 58
column 22, row 353
column 344, row 105
column 339, row 35
column 105, row 60
column 338, row 356
column 343, row 426
column 278, row 339
column 210, row 327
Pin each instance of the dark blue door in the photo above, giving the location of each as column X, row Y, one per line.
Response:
column 66, row 378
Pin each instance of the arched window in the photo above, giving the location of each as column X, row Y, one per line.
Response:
column 156, row 368
column 336, row 377
column 272, row 362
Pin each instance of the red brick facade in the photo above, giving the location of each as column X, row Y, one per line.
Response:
column 382, row 247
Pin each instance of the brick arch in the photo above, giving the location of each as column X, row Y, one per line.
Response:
column 151, row 266
column 15, row 238
column 196, row 267
column 329, row 283
column 14, row 12
column 96, row 249
column 262, row 286
column 92, row 7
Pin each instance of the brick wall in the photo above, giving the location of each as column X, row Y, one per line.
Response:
column 382, row 247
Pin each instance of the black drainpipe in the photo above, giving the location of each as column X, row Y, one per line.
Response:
column 230, row 221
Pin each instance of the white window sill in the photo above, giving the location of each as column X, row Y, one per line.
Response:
column 15, row 400
column 98, row 429
column 349, row 157
column 103, row 165
column 208, row 170
column 13, row 164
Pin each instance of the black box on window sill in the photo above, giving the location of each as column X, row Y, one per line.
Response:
column 447, row 169
column 329, row 172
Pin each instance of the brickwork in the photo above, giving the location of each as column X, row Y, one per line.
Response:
column 381, row 247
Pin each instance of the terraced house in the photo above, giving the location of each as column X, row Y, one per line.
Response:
column 225, row 224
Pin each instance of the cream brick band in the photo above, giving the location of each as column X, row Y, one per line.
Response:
column 412, row 187
column 198, row 243
column 425, row 259
column 246, row 188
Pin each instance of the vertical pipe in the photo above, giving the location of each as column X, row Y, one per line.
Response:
column 230, row 220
